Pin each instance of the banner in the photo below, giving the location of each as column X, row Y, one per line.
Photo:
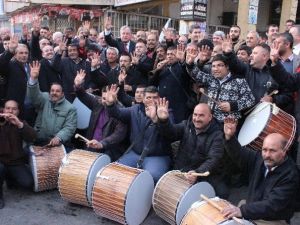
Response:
column 195, row 10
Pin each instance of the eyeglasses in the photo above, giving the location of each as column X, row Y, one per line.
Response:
column 218, row 65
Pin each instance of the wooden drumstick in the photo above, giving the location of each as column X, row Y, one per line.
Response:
column 205, row 174
column 210, row 98
column 80, row 136
column 212, row 203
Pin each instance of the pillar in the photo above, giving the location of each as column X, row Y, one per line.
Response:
column 288, row 11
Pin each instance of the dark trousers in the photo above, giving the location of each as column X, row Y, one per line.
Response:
column 18, row 175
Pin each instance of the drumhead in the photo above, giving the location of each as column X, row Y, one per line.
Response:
column 232, row 222
column 255, row 123
column 32, row 163
column 138, row 198
column 191, row 196
column 99, row 163
column 83, row 114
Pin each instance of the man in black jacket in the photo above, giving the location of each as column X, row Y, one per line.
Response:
column 201, row 144
column 273, row 178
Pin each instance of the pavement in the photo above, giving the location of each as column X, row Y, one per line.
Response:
column 48, row 208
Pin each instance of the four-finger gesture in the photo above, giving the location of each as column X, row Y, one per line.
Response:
column 95, row 60
column 230, row 124
column 34, row 70
column 191, row 55
column 79, row 79
column 108, row 23
column 180, row 53
column 62, row 46
column 151, row 112
column 204, row 54
column 274, row 54
column 122, row 75
column 135, row 59
column 112, row 94
column 163, row 109
column 13, row 44
column 227, row 44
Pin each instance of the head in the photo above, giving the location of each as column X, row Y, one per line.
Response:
column 209, row 44
column 11, row 106
column 141, row 35
column 152, row 41
column 125, row 33
column 219, row 67
column 260, row 56
column 235, row 32
column 112, row 55
column 48, row 52
column 22, row 53
column 263, row 38
column 56, row 92
column 192, row 48
column 73, row 51
column 216, row 50
column 273, row 150
column 139, row 93
column 92, row 49
column 289, row 24
column 218, row 37
column 44, row 32
column 171, row 55
column 69, row 32
column 125, row 61
column 295, row 32
column 182, row 40
column 4, row 31
column 101, row 40
column 201, row 116
column 5, row 42
column 195, row 33
column 140, row 47
column 244, row 53
column 43, row 42
column 285, row 44
column 252, row 39
column 161, row 52
column 57, row 37
column 150, row 95
column 93, row 35
column 272, row 31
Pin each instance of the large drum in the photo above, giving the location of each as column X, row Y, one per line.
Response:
column 202, row 213
column 77, row 175
column 83, row 114
column 45, row 163
column 265, row 119
column 174, row 195
column 123, row 194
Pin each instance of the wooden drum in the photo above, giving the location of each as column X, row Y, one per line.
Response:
column 202, row 213
column 45, row 163
column 123, row 194
column 77, row 175
column 265, row 119
column 174, row 195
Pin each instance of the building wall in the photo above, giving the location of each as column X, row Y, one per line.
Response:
column 263, row 15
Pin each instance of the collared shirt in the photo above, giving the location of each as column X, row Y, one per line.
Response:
column 288, row 63
column 225, row 78
column 267, row 170
column 296, row 49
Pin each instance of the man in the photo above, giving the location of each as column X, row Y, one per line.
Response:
column 288, row 25
column 124, row 43
column 103, row 46
column 195, row 33
column 57, row 118
column 295, row 32
column 148, row 149
column 201, row 144
column 13, row 158
column 272, row 31
column 152, row 42
column 218, row 37
column 252, row 39
column 273, row 179
column 205, row 47
column 140, row 34
column 106, row 134
column 234, row 33
column 244, row 53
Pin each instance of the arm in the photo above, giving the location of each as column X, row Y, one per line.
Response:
column 69, row 126
column 123, row 114
column 35, row 95
column 118, row 135
column 90, row 101
column 246, row 98
column 173, row 132
column 35, row 47
column 5, row 57
column 99, row 78
column 111, row 41
column 236, row 66
column 199, row 76
column 28, row 133
column 124, row 98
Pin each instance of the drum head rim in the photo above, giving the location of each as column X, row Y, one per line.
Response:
column 33, row 168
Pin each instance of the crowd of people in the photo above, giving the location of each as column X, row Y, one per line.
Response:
column 176, row 103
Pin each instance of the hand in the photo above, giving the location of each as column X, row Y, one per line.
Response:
column 274, row 54
column 163, row 109
column 108, row 23
column 25, row 31
column 122, row 76
column 35, row 70
column 13, row 44
column 112, row 94
column 135, row 59
column 161, row 64
column 191, row 56
column 62, row 46
column 79, row 79
column 54, row 141
column 86, row 25
column 227, row 44
column 127, row 88
column 95, row 60
column 231, row 211
column 224, row 106
column 267, row 98
column 230, row 124
column 36, row 25
column 180, row 53
column 151, row 112
column 204, row 53
column 94, row 144
column 191, row 178
column 11, row 118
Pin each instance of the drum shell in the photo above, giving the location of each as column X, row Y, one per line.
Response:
column 45, row 163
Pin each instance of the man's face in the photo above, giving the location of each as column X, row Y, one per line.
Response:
column 283, row 46
column 69, row 33
column 125, row 35
column 195, row 35
column 272, row 32
column 294, row 33
column 171, row 56
column 44, row 42
column 125, row 61
column 56, row 93
column 243, row 56
column 5, row 44
column 141, row 35
column 22, row 54
column 288, row 26
column 217, row 50
column 139, row 95
column 11, row 107
column 93, row 35
column 73, row 52
column 217, row 40
column 258, row 57
column 111, row 56
column 182, row 40
column 251, row 40
column 219, row 69
column 101, row 40
column 272, row 152
column 150, row 98
column 205, row 55
column 44, row 33
column 90, row 54
column 140, row 49
column 151, row 41
column 48, row 52
column 161, row 53
column 201, row 117
column 234, row 33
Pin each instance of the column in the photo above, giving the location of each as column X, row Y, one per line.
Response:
column 288, row 11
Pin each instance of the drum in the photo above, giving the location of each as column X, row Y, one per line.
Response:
column 123, row 194
column 45, row 163
column 174, row 195
column 265, row 119
column 83, row 114
column 77, row 175
column 202, row 213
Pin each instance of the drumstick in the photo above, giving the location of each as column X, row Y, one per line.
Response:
column 212, row 203
column 205, row 174
column 80, row 136
column 210, row 98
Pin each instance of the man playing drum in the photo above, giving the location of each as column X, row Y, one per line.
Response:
column 201, row 147
column 273, row 179
column 13, row 132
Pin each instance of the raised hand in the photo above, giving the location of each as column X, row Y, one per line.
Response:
column 151, row 112
column 161, row 64
column 112, row 94
column 13, row 44
column 36, row 26
column 122, row 75
column 227, row 44
column 62, row 46
column 180, row 53
column 25, row 31
column 204, row 53
column 191, row 55
column 95, row 60
column 86, row 25
column 230, row 124
column 35, row 70
column 274, row 54
column 162, row 109
column 108, row 23
column 79, row 79
column 135, row 58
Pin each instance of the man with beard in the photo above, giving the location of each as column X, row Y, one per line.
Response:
column 57, row 118
column 195, row 34
column 152, row 42
column 234, row 33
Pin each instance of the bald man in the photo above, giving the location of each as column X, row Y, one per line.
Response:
column 201, row 147
column 273, row 179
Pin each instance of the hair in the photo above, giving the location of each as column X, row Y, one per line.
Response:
column 271, row 25
column 163, row 46
column 151, row 89
column 235, row 26
column 220, row 57
column 21, row 46
column 141, row 86
column 45, row 28
column 125, row 27
column 207, row 42
column 193, row 27
column 57, row 34
column 254, row 32
column 264, row 46
column 263, row 35
column 126, row 54
column 69, row 28
column 172, row 48
column 56, row 83
column 6, row 38
column 74, row 44
column 288, row 38
column 290, row 21
column 141, row 41
column 113, row 49
column 12, row 100
column 219, row 33
column 245, row 48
